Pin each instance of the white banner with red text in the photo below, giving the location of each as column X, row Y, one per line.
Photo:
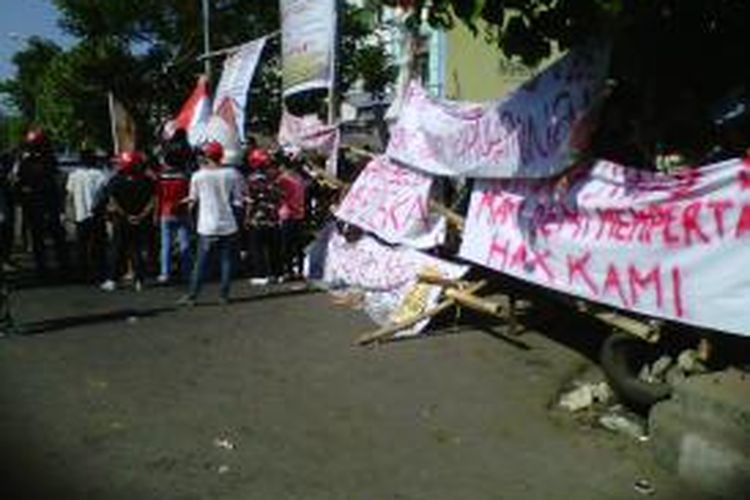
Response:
column 308, row 31
column 674, row 246
column 309, row 133
column 536, row 131
column 384, row 278
column 393, row 203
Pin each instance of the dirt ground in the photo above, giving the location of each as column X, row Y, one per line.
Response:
column 122, row 396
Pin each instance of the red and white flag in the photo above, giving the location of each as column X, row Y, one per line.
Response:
column 222, row 127
column 194, row 115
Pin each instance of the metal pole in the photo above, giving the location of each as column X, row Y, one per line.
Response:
column 206, row 39
column 333, row 94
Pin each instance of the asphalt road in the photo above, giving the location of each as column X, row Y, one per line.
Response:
column 122, row 396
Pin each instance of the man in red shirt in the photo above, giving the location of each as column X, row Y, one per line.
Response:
column 172, row 187
column 292, row 217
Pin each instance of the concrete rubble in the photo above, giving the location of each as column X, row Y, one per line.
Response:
column 703, row 432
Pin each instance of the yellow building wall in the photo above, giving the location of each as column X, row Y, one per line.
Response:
column 476, row 70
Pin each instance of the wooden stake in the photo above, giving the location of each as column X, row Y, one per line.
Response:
column 436, row 279
column 451, row 216
column 471, row 301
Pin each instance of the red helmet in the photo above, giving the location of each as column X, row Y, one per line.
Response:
column 258, row 158
column 213, row 150
column 129, row 159
column 35, row 136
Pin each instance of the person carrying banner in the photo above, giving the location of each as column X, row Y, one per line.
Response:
column 262, row 218
column 41, row 199
column 130, row 197
column 218, row 191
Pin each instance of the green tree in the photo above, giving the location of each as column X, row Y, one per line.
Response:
column 673, row 59
column 147, row 52
column 31, row 62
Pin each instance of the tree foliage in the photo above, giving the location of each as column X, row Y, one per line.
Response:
column 146, row 53
column 31, row 63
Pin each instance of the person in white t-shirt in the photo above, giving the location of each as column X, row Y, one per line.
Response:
column 219, row 193
column 83, row 186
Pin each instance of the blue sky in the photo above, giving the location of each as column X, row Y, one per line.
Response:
column 20, row 19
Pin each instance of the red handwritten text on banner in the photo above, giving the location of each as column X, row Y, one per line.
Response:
column 393, row 202
column 671, row 246
column 532, row 133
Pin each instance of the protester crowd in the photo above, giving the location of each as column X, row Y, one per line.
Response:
column 143, row 220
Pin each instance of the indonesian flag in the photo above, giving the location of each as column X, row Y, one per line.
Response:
column 222, row 127
column 194, row 115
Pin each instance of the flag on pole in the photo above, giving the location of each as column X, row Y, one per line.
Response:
column 194, row 114
column 123, row 126
column 238, row 72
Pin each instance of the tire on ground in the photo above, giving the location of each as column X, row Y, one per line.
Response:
column 622, row 357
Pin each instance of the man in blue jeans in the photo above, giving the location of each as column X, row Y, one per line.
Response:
column 219, row 193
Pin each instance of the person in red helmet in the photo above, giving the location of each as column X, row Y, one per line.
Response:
column 258, row 159
column 130, row 197
column 292, row 217
column 172, row 187
column 41, row 197
column 262, row 218
column 218, row 191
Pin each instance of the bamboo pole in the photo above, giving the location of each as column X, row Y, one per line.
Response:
column 449, row 214
column 388, row 331
column 232, row 49
column 437, row 279
column 470, row 301
column 326, row 178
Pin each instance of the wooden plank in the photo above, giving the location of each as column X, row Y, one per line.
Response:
column 470, row 301
column 439, row 280
column 384, row 333
column 645, row 331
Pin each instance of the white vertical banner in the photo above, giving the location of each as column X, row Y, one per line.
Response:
column 239, row 68
column 308, row 34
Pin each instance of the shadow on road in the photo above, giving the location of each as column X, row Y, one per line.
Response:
column 277, row 294
column 67, row 322
column 56, row 324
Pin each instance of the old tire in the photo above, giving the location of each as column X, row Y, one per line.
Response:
column 622, row 357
